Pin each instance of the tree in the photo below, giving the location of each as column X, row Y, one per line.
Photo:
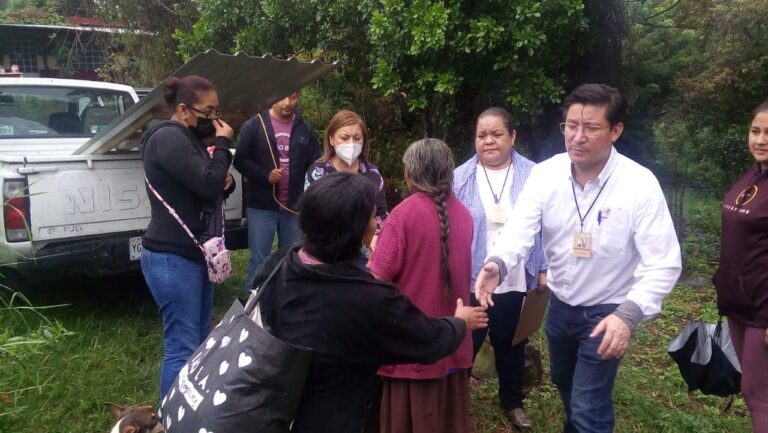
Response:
column 412, row 68
column 699, row 68
column 147, row 53
column 445, row 58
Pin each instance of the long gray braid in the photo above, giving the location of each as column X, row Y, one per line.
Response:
column 429, row 166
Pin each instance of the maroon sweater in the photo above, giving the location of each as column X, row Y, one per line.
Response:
column 741, row 279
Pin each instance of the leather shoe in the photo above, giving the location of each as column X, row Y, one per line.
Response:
column 518, row 417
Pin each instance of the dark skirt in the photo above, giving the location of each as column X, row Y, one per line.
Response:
column 426, row 406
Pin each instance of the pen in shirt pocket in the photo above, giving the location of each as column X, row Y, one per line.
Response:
column 599, row 217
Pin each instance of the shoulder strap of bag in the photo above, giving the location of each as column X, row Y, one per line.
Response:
column 274, row 161
column 173, row 213
column 254, row 301
column 277, row 317
column 223, row 220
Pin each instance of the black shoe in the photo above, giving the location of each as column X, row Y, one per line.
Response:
column 519, row 418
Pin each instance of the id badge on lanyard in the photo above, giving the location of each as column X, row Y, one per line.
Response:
column 582, row 242
column 498, row 214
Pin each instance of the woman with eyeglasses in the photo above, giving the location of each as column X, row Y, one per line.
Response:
column 183, row 175
column 741, row 279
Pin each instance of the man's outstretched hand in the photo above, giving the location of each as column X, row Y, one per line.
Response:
column 486, row 283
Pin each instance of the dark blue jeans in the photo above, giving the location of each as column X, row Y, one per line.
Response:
column 184, row 296
column 262, row 225
column 585, row 380
column 510, row 360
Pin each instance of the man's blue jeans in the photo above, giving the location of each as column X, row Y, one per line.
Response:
column 585, row 380
column 184, row 296
column 262, row 225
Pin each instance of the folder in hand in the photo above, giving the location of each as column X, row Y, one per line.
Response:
column 531, row 314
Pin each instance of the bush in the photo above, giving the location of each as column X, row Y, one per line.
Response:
column 701, row 246
column 25, row 333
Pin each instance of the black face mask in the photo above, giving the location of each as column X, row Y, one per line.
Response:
column 204, row 128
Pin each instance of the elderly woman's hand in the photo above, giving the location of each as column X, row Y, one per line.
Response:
column 475, row 317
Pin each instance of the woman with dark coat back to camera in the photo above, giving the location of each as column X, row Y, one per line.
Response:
column 193, row 181
column 353, row 321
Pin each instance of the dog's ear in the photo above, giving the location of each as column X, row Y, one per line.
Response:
column 130, row 428
column 116, row 410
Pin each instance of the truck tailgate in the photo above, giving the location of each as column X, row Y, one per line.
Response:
column 94, row 195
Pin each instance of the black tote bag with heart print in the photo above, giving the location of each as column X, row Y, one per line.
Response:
column 240, row 379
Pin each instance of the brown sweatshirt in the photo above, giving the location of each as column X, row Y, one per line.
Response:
column 741, row 279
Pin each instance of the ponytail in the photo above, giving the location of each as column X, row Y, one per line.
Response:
column 186, row 90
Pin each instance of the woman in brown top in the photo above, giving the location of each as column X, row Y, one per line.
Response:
column 741, row 279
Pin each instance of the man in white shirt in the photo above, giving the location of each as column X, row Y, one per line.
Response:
column 612, row 251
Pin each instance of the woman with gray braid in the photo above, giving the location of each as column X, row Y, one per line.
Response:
column 425, row 247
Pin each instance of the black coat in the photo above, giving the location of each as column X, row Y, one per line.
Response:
column 354, row 323
column 180, row 169
column 254, row 161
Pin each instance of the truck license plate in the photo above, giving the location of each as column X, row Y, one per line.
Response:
column 134, row 248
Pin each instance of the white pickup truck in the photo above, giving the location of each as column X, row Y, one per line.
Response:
column 72, row 177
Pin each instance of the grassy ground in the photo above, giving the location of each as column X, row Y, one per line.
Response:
column 650, row 395
column 114, row 353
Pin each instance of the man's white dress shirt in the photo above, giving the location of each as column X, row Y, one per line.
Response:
column 634, row 252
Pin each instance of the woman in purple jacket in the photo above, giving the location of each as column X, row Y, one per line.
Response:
column 741, row 280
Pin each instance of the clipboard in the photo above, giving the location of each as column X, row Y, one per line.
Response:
column 531, row 314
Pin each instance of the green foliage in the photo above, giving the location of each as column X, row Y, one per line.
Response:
column 44, row 11
column 31, row 12
column 24, row 328
column 698, row 70
column 728, row 76
column 411, row 68
column 701, row 245
column 27, row 335
column 147, row 54
column 111, row 353
column 436, row 52
column 699, row 155
column 108, row 356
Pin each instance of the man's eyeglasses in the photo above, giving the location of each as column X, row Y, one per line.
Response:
column 208, row 114
column 588, row 130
